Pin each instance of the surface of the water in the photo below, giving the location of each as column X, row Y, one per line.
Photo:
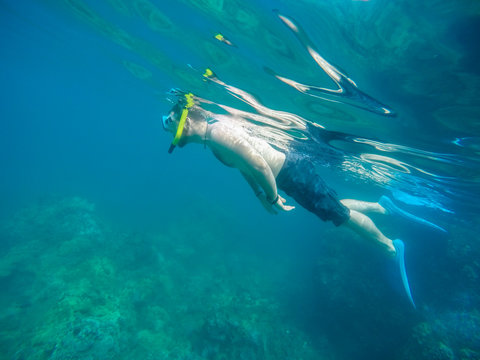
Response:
column 94, row 76
column 393, row 86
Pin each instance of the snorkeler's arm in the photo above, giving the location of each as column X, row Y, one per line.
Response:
column 258, row 192
column 271, row 208
column 235, row 150
column 261, row 173
column 253, row 184
column 230, row 147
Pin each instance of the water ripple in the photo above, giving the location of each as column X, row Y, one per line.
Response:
column 347, row 91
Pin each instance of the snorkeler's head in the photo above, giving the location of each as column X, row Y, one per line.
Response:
column 176, row 120
column 170, row 121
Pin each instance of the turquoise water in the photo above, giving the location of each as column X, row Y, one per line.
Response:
column 112, row 249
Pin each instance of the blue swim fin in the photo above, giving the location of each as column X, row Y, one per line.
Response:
column 395, row 210
column 400, row 266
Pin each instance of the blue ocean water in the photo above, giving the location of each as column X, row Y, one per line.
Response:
column 170, row 256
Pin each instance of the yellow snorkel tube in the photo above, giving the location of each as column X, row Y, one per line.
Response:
column 183, row 119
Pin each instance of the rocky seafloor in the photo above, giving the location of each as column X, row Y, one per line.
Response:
column 75, row 287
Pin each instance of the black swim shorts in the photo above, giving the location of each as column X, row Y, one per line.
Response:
column 299, row 179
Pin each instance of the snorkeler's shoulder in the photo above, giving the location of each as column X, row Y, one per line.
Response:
column 218, row 134
column 222, row 131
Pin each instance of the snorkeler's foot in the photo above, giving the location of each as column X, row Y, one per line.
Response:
column 400, row 268
column 393, row 209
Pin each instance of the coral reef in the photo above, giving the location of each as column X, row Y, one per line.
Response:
column 75, row 289
column 454, row 335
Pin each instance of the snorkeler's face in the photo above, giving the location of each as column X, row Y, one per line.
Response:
column 170, row 121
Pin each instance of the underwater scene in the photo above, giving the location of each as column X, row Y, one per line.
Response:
column 345, row 225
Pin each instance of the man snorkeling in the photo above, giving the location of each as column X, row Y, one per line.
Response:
column 267, row 170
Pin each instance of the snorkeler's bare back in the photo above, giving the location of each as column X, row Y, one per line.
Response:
column 235, row 148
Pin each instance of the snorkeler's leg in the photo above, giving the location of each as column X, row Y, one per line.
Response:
column 366, row 228
column 363, row 206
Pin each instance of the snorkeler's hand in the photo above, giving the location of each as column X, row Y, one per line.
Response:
column 266, row 204
column 280, row 205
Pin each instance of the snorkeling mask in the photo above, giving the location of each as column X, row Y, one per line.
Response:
column 168, row 121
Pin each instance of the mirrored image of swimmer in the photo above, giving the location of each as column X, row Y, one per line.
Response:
column 268, row 170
